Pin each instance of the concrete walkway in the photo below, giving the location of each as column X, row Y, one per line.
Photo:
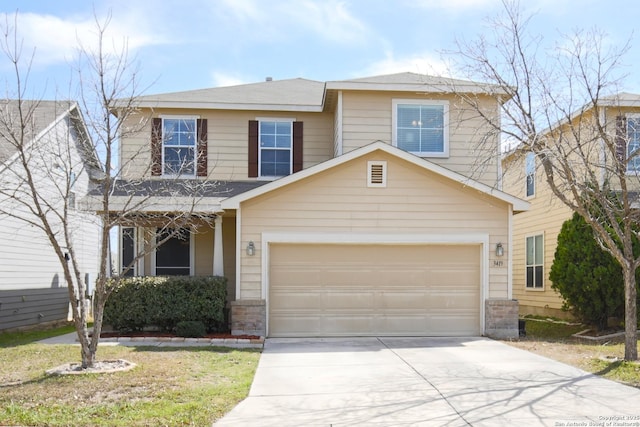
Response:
column 425, row 382
column 239, row 343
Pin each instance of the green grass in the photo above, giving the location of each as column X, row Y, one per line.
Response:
column 170, row 386
column 554, row 339
column 8, row 339
column 550, row 330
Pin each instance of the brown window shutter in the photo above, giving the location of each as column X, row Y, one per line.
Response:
column 621, row 138
column 297, row 146
column 156, row 146
column 253, row 148
column 202, row 147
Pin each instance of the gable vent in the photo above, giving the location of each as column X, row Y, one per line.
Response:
column 377, row 174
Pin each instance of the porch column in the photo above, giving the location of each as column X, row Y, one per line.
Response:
column 218, row 255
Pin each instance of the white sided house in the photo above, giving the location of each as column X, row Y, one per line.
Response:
column 342, row 208
column 32, row 286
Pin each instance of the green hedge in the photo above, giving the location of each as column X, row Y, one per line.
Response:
column 142, row 302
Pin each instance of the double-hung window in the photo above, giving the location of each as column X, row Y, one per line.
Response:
column 633, row 144
column 179, row 144
column 530, row 173
column 535, row 261
column 421, row 127
column 275, row 147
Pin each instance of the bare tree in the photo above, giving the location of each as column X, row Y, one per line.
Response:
column 108, row 91
column 564, row 106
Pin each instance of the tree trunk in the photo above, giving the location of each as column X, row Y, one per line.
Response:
column 631, row 314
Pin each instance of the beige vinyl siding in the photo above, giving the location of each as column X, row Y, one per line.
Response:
column 367, row 117
column 228, row 141
column 203, row 252
column 414, row 202
column 548, row 213
column 546, row 216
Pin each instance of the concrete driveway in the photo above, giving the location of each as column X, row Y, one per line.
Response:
column 424, row 381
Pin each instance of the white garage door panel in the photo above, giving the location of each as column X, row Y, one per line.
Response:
column 346, row 290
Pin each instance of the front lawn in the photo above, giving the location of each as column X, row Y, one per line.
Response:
column 553, row 339
column 170, row 386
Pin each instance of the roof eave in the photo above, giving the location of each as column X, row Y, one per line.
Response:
column 518, row 204
column 426, row 88
column 228, row 106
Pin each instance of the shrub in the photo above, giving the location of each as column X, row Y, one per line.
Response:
column 588, row 278
column 140, row 302
column 190, row 329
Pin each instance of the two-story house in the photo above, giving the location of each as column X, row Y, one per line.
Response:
column 535, row 232
column 54, row 139
column 342, row 208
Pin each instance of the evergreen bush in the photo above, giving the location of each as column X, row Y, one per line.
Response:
column 190, row 329
column 589, row 279
column 143, row 302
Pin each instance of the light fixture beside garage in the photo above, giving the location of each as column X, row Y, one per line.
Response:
column 499, row 249
column 251, row 249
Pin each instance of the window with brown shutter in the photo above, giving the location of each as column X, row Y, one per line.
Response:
column 297, row 146
column 253, row 148
column 275, row 147
column 179, row 146
column 621, row 138
column 156, row 146
column 202, row 147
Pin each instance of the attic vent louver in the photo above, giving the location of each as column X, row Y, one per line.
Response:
column 376, row 174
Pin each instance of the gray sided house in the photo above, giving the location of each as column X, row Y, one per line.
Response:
column 340, row 208
column 32, row 287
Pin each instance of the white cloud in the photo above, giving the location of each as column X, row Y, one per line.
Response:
column 56, row 39
column 457, row 5
column 329, row 19
column 424, row 63
column 244, row 10
column 223, row 79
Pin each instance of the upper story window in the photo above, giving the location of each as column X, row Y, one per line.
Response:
column 179, row 146
column 633, row 144
column 421, row 127
column 276, row 143
column 530, row 174
column 275, row 147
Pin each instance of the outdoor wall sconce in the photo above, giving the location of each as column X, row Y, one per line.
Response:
column 251, row 249
column 499, row 249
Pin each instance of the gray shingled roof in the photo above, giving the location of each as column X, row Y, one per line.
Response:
column 304, row 95
column 414, row 82
column 179, row 188
column 38, row 115
column 292, row 94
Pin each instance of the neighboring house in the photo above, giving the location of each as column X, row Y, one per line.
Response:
column 345, row 208
column 32, row 286
column 535, row 232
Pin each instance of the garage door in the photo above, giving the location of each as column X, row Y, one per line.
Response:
column 359, row 290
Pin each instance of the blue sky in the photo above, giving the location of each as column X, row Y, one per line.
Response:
column 193, row 44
